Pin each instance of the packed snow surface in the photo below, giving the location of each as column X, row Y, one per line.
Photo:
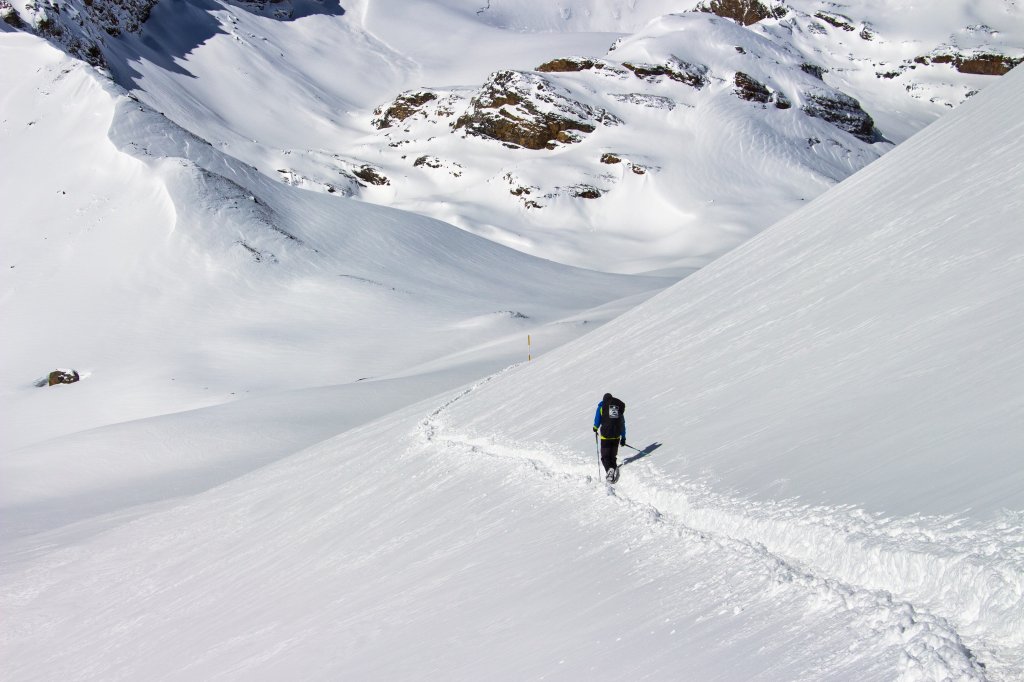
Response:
column 829, row 422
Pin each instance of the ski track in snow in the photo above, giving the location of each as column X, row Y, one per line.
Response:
column 949, row 594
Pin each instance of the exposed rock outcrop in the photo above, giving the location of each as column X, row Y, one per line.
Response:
column 750, row 90
column 644, row 100
column 813, row 70
column 59, row 376
column 745, row 12
column 844, row 112
column 568, row 64
column 9, row 16
column 585, row 192
column 837, row 20
column 371, row 175
column 982, row 63
column 404, row 106
column 81, row 26
column 525, row 109
column 425, row 161
column 694, row 75
column 753, row 91
column 614, row 159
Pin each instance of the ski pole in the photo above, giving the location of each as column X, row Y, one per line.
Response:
column 597, row 447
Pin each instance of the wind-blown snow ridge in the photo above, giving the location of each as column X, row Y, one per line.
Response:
column 925, row 584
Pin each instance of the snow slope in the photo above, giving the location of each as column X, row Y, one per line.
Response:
column 836, row 407
column 846, row 390
column 175, row 278
column 886, row 312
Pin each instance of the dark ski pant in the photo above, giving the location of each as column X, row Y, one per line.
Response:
column 609, row 453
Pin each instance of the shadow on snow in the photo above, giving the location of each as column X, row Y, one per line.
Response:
column 167, row 42
column 640, row 454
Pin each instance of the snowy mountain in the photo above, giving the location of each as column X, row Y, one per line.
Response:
column 633, row 136
column 303, row 438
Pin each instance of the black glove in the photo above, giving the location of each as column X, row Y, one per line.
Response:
column 595, row 429
column 622, row 441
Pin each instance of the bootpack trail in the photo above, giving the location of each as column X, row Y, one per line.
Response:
column 948, row 592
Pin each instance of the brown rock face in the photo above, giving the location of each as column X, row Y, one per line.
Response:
column 986, row 64
column 404, row 106
column 369, row 174
column 749, row 89
column 60, row 376
column 526, row 110
column 752, row 91
column 745, row 12
column 676, row 69
column 567, row 64
column 983, row 64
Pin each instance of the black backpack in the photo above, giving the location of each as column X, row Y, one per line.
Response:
column 613, row 416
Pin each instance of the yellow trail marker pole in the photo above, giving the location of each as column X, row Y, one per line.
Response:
column 529, row 349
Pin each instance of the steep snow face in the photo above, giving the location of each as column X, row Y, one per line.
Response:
column 860, row 349
column 863, row 358
column 650, row 173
